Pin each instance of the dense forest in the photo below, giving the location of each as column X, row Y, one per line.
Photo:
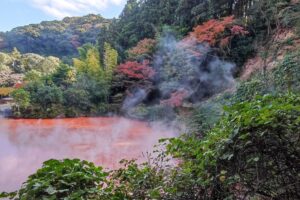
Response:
column 228, row 69
column 54, row 38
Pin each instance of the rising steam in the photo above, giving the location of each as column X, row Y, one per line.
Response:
column 187, row 68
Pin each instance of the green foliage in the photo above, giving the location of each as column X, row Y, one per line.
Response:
column 46, row 101
column 5, row 58
column 47, row 96
column 139, row 20
column 71, row 91
column 32, row 75
column 258, row 85
column 266, row 16
column 255, row 148
column 290, row 16
column 134, row 181
column 66, row 179
column 30, row 61
column 77, row 102
column 258, row 146
column 93, row 77
column 89, row 62
column 21, row 97
column 15, row 53
column 110, row 61
column 23, row 63
column 64, row 76
column 98, row 90
column 287, row 74
column 205, row 116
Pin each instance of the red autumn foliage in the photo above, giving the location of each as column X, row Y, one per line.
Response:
column 176, row 99
column 214, row 32
column 144, row 46
column 210, row 30
column 136, row 70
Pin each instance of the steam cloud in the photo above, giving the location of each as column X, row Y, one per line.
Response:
column 185, row 65
column 133, row 99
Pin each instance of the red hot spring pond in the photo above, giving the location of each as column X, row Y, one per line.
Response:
column 26, row 143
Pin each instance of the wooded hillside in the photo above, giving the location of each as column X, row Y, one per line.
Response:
column 55, row 38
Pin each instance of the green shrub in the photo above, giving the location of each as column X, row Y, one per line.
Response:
column 247, row 90
column 287, row 73
column 259, row 148
column 134, row 181
column 22, row 100
column 206, row 114
column 77, row 102
column 252, row 152
column 66, row 179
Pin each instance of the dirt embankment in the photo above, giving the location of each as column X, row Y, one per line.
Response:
column 282, row 42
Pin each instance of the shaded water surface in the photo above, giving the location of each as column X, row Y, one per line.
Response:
column 26, row 144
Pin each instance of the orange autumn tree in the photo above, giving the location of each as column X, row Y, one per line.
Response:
column 144, row 48
column 217, row 32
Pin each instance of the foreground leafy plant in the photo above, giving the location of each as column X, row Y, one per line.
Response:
column 67, row 179
column 252, row 152
column 261, row 153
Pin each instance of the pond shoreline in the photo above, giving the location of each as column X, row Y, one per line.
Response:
column 6, row 112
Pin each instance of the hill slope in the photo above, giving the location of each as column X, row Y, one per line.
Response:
column 57, row 38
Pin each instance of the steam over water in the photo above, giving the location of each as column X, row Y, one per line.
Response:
column 26, row 144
